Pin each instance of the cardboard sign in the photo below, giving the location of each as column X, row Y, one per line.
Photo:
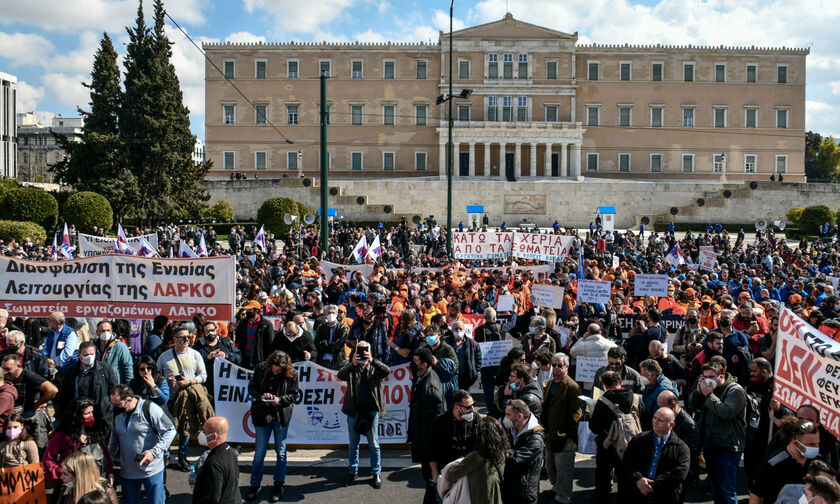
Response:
column 833, row 280
column 505, row 303
column 493, row 351
column 707, row 258
column 92, row 245
column 565, row 335
column 651, row 285
column 594, row 291
column 586, row 367
column 488, row 245
column 328, row 267
column 542, row 247
column 549, row 296
column 23, row 485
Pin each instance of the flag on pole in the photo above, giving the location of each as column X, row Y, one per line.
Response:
column 675, row 256
column 375, row 250
column 66, row 249
column 202, row 248
column 122, row 242
column 581, row 273
column 146, row 249
column 54, row 249
column 259, row 240
column 361, row 250
column 185, row 252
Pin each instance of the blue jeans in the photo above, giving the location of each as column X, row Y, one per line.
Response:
column 155, row 493
column 373, row 445
column 722, row 469
column 263, row 435
column 183, row 444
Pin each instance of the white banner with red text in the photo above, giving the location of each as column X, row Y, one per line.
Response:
column 92, row 245
column 477, row 245
column 807, row 369
column 542, row 247
column 316, row 417
column 119, row 286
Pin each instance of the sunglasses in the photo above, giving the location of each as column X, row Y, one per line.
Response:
column 557, row 365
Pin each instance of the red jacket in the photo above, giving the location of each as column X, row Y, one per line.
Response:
column 742, row 325
column 60, row 447
column 8, row 396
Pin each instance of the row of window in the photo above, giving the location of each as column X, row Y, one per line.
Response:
column 389, row 114
column 625, row 71
column 687, row 163
column 294, row 161
column 389, row 69
column 719, row 117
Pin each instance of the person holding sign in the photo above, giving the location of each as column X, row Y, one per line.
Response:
column 363, row 405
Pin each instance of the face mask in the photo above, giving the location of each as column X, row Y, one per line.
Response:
column 202, row 439
column 756, row 379
column 87, row 360
column 532, row 330
column 106, row 336
column 507, row 423
column 88, row 422
column 211, row 336
column 803, row 499
column 68, row 485
column 468, row 417
column 711, row 382
column 691, row 320
column 809, row 452
column 724, row 323
column 431, row 340
column 458, row 334
column 514, row 386
column 331, row 318
column 238, row 298
column 13, row 433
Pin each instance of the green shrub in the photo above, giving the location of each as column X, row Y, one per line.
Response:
column 794, row 214
column 221, row 211
column 813, row 217
column 20, row 231
column 271, row 214
column 88, row 209
column 30, row 204
column 6, row 184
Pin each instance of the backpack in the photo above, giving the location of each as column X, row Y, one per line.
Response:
column 625, row 427
column 753, row 414
column 147, row 405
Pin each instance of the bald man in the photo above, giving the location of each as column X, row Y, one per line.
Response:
column 217, row 479
column 655, row 464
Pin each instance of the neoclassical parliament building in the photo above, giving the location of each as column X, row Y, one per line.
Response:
column 529, row 102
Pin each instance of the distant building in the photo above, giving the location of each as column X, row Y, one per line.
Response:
column 37, row 147
column 8, row 130
column 198, row 152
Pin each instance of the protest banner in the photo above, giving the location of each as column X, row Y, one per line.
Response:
column 834, row 280
column 23, row 485
column 615, row 263
column 586, row 367
column 328, row 267
column 120, row 286
column 471, row 323
column 316, row 417
column 548, row 296
column 541, row 247
column 807, row 369
column 476, row 245
column 669, row 321
column 493, row 351
column 707, row 258
column 505, row 303
column 565, row 335
column 276, row 322
column 92, row 245
column 593, row 291
column 650, row 285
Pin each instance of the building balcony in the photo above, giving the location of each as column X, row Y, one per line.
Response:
column 526, row 125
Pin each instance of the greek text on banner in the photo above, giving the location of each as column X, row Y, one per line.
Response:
column 92, row 245
column 594, row 291
column 549, row 296
column 541, row 247
column 23, row 484
column 316, row 418
column 476, row 245
column 650, row 285
column 119, row 286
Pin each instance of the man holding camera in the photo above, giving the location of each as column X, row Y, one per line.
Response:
column 363, row 405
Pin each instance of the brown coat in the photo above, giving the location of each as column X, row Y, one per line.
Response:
column 561, row 413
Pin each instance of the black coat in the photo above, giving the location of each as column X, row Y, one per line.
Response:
column 671, row 470
column 217, row 481
column 263, row 342
column 94, row 385
column 522, row 470
column 331, row 347
column 427, row 403
column 33, row 360
column 285, row 388
column 603, row 417
column 296, row 348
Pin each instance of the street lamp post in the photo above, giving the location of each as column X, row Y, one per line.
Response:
column 449, row 147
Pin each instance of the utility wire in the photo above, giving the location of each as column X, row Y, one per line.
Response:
column 224, row 76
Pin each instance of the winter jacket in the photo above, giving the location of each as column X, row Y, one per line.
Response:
column 427, row 402
column 469, row 361
column 119, row 358
column 531, row 393
column 630, row 379
column 652, row 391
column 263, row 342
column 137, row 433
column 263, row 381
column 522, row 469
column 33, row 360
column 484, row 477
column 561, row 413
column 329, row 341
column 375, row 372
column 295, row 348
column 722, row 416
column 192, row 408
column 411, row 339
column 217, row 481
column 603, row 417
column 593, row 345
column 8, row 396
column 60, row 447
column 94, row 385
column 671, row 470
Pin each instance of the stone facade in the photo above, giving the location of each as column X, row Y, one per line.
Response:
column 542, row 107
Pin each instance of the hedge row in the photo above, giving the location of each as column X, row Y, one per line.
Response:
column 29, row 204
column 21, row 230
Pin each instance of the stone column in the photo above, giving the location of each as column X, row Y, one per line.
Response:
column 502, row 152
column 547, row 170
column 517, row 160
column 442, row 158
column 564, row 165
column 577, row 160
column 456, row 159
column 533, row 170
column 472, row 159
column 486, row 159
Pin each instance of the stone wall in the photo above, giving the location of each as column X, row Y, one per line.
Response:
column 538, row 201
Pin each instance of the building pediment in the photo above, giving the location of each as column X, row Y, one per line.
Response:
column 510, row 28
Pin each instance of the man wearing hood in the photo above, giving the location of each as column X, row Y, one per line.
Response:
column 713, row 346
column 113, row 352
column 296, row 342
column 560, row 416
column 524, row 460
column 521, row 386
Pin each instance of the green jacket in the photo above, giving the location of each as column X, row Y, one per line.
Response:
column 484, row 478
column 445, row 351
column 723, row 416
column 119, row 358
column 375, row 371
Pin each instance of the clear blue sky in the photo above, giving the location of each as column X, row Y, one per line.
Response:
column 49, row 44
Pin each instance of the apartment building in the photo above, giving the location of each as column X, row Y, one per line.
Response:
column 539, row 105
column 8, row 129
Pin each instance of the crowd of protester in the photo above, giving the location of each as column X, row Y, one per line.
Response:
column 666, row 408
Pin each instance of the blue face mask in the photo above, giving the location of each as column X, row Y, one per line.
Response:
column 431, row 340
column 532, row 330
column 514, row 387
column 809, row 452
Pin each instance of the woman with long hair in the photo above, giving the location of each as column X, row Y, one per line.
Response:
column 274, row 387
column 148, row 383
column 409, row 338
column 79, row 475
column 80, row 429
column 17, row 447
column 485, row 465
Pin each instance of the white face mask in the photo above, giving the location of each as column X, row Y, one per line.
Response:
column 468, row 417
column 106, row 336
column 87, row 360
column 711, row 382
column 202, row 439
column 331, row 318
column 803, row 499
column 458, row 334
column 506, row 423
